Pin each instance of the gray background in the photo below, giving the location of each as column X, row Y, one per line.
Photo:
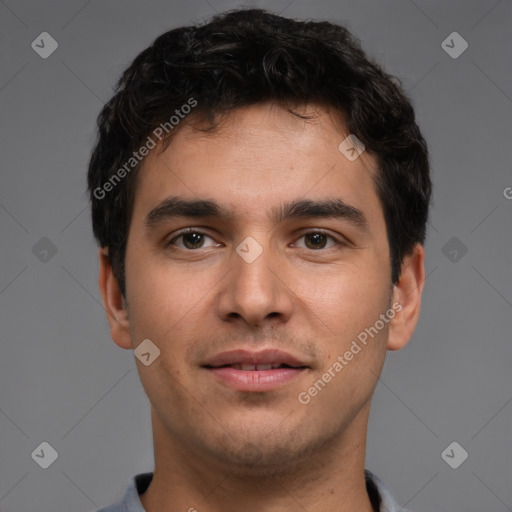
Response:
column 63, row 381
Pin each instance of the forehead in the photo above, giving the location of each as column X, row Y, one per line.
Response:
column 258, row 158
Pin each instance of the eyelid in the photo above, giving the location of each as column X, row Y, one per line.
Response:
column 341, row 240
column 186, row 231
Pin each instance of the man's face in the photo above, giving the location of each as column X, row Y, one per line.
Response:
column 303, row 285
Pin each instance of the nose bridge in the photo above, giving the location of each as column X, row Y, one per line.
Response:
column 252, row 289
column 252, row 266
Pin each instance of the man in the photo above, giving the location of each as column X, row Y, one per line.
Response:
column 260, row 193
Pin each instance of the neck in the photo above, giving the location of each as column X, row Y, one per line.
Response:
column 329, row 480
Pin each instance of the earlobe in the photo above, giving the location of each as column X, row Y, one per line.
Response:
column 114, row 302
column 407, row 297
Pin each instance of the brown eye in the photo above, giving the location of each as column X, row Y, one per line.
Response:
column 316, row 240
column 190, row 240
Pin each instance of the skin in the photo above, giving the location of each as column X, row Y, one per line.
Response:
column 218, row 449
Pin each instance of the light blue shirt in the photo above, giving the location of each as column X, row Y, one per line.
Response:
column 380, row 495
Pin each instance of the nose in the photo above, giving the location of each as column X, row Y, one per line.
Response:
column 256, row 291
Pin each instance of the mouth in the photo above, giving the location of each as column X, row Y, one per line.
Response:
column 257, row 367
column 255, row 371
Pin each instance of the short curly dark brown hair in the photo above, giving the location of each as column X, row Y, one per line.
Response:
column 245, row 57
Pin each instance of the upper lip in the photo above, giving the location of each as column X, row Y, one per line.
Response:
column 268, row 356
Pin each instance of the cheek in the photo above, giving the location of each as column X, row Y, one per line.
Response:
column 160, row 295
column 168, row 307
column 352, row 349
column 345, row 298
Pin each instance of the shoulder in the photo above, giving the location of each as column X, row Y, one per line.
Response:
column 380, row 495
column 131, row 501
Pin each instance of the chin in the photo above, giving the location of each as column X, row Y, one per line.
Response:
column 266, row 455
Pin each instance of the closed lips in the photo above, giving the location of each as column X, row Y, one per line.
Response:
column 269, row 359
column 258, row 372
column 257, row 367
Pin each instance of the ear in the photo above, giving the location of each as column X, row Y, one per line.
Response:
column 407, row 297
column 115, row 305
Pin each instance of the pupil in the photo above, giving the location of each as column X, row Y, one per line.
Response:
column 316, row 237
column 189, row 236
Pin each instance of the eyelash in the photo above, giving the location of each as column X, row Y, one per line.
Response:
column 189, row 231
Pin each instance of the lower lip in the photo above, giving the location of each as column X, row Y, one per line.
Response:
column 263, row 380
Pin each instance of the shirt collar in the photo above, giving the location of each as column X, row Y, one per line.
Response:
column 380, row 496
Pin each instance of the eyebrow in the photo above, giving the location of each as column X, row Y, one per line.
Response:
column 175, row 206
